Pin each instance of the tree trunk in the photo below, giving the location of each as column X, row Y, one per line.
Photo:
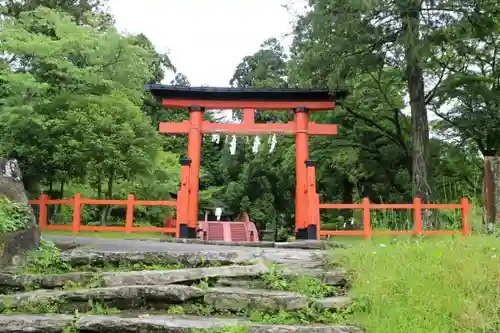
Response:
column 420, row 123
column 492, row 191
column 11, row 186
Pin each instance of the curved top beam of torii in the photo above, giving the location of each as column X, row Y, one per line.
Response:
column 243, row 98
column 249, row 100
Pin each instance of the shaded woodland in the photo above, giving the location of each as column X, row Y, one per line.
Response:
column 422, row 118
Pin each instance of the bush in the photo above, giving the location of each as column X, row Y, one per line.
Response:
column 13, row 216
column 429, row 286
column 45, row 260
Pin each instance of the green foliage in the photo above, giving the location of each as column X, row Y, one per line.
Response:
column 74, row 113
column 304, row 285
column 14, row 216
column 45, row 260
column 438, row 285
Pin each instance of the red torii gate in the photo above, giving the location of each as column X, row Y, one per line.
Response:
column 198, row 99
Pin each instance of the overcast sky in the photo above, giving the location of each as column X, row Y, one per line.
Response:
column 206, row 39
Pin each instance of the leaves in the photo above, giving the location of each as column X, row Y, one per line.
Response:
column 13, row 216
column 74, row 113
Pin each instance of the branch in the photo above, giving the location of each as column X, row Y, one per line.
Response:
column 395, row 119
column 432, row 93
column 381, row 130
column 465, row 131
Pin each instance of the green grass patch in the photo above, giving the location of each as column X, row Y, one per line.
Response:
column 429, row 285
column 305, row 285
column 375, row 240
column 109, row 235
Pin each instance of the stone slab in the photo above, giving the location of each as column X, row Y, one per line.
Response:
column 145, row 277
column 336, row 303
column 302, row 244
column 196, row 256
column 146, row 323
column 180, row 275
column 236, row 299
column 165, row 324
column 121, row 297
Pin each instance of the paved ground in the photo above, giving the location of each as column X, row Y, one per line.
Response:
column 104, row 244
column 292, row 258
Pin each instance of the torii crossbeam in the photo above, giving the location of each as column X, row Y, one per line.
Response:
column 197, row 100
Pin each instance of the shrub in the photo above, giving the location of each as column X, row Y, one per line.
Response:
column 13, row 216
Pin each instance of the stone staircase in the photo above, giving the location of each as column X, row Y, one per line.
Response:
column 140, row 291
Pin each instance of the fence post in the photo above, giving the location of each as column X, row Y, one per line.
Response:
column 466, row 228
column 42, row 218
column 77, row 205
column 417, row 216
column 313, row 223
column 367, row 228
column 129, row 216
column 316, row 214
column 183, row 200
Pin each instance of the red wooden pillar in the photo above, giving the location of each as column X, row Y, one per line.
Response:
column 301, row 156
column 194, row 154
column 313, row 226
column 183, row 200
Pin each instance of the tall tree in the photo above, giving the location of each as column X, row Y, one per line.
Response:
column 268, row 63
column 53, row 76
column 469, row 99
column 364, row 35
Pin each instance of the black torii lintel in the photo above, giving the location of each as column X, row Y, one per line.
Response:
column 244, row 94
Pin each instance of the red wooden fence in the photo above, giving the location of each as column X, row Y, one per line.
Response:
column 77, row 202
column 417, row 206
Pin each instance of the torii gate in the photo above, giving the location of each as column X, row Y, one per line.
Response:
column 199, row 99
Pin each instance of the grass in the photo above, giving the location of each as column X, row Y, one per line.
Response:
column 108, row 234
column 431, row 285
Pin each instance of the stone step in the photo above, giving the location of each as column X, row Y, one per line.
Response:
column 181, row 275
column 112, row 279
column 163, row 277
column 237, row 299
column 166, row 324
column 299, row 244
column 122, row 297
column 136, row 296
column 334, row 277
column 200, row 255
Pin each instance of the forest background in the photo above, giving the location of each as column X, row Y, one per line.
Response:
column 74, row 113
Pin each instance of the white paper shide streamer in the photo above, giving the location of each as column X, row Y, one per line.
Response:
column 232, row 146
column 256, row 144
column 274, row 141
column 216, row 138
column 218, row 213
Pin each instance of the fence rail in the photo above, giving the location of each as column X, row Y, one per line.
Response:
column 417, row 206
column 77, row 202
